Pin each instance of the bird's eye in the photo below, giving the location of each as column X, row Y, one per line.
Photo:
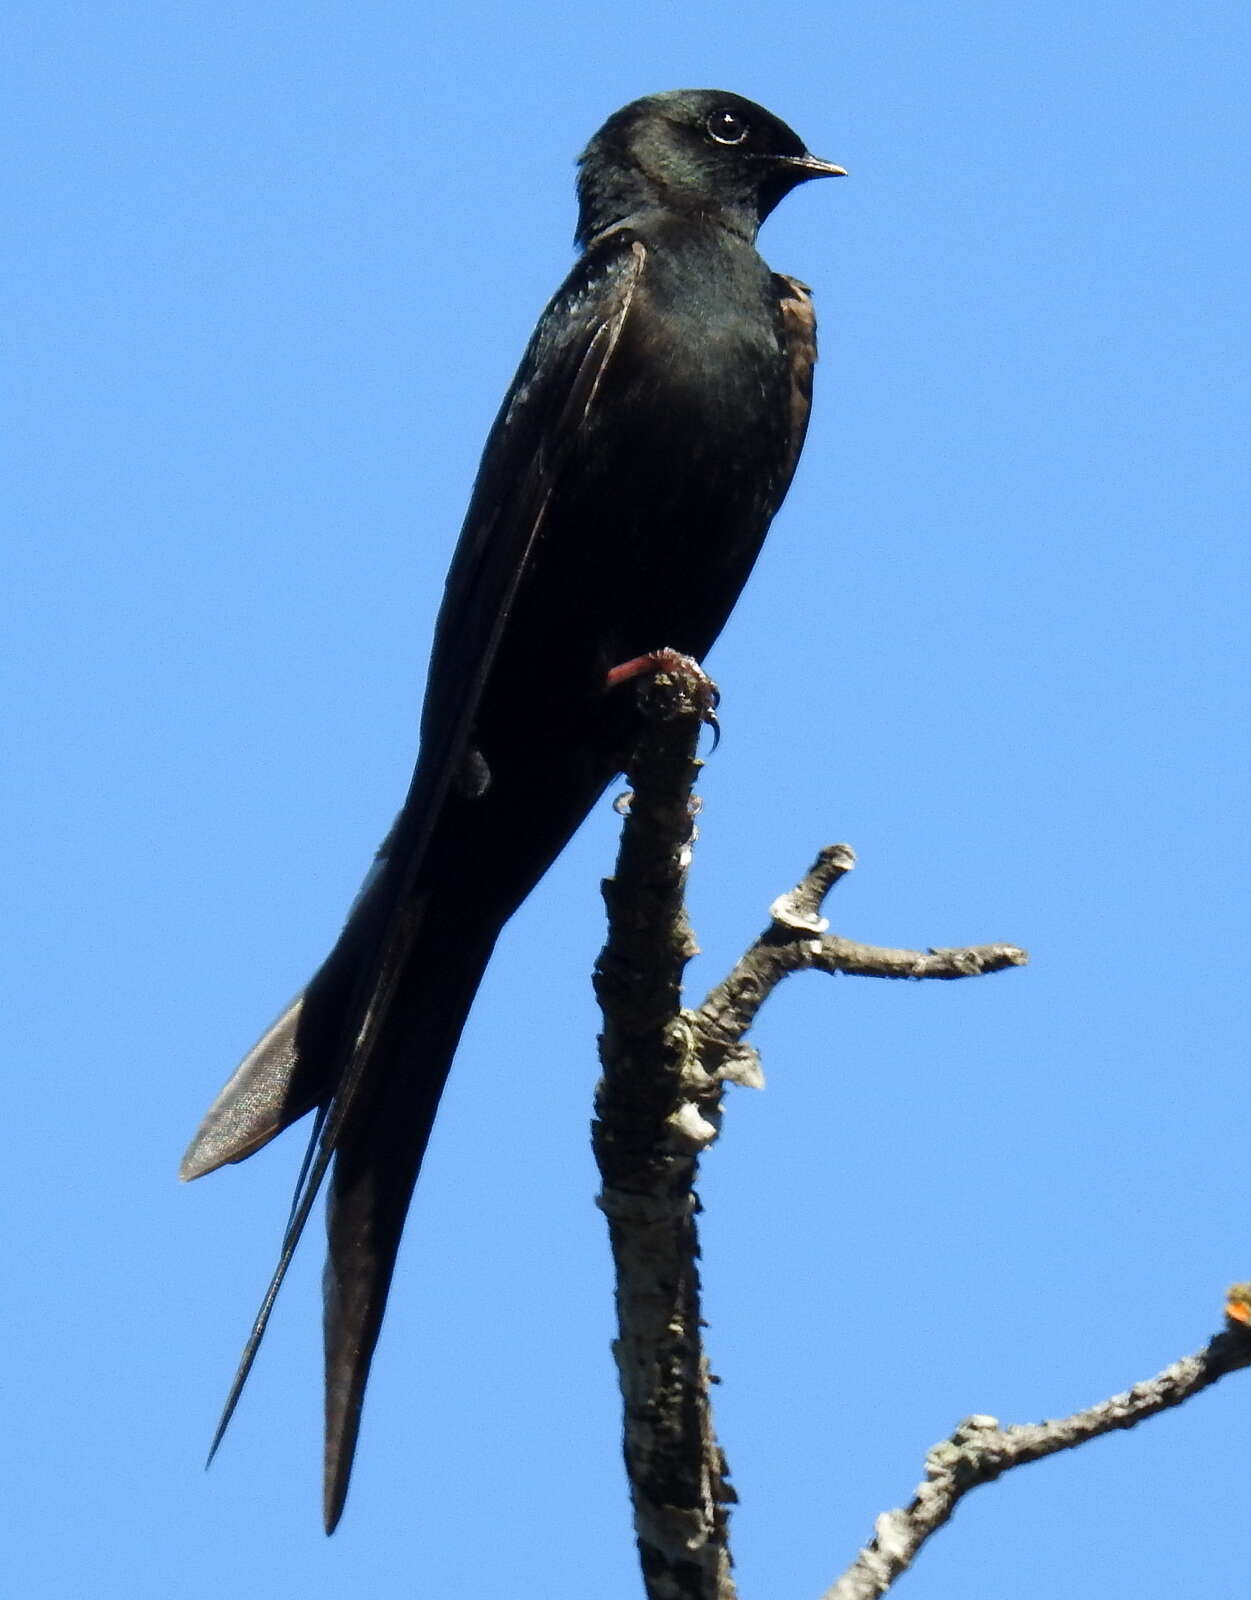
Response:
column 726, row 127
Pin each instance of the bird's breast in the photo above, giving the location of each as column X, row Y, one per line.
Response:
column 701, row 358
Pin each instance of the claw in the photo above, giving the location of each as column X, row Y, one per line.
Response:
column 710, row 719
column 673, row 661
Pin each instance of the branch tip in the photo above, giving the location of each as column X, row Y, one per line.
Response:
column 981, row 1449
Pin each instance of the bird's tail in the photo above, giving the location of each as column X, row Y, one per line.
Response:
column 376, row 1085
column 378, row 1155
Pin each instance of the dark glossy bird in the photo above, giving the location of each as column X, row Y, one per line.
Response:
column 644, row 446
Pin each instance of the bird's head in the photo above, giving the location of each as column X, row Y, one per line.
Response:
column 692, row 152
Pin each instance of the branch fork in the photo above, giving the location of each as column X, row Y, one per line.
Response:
column 659, row 1105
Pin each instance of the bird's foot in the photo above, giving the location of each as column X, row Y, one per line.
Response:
column 673, row 664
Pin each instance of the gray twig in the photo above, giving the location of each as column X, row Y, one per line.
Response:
column 980, row 1450
column 797, row 941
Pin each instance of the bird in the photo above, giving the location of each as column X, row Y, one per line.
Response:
column 625, row 489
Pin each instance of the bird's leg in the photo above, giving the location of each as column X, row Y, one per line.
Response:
column 660, row 661
column 703, row 690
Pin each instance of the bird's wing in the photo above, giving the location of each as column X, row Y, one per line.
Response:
column 282, row 1078
column 799, row 335
column 256, row 1102
column 540, row 427
column 534, row 438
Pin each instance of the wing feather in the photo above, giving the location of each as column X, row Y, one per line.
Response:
column 799, row 333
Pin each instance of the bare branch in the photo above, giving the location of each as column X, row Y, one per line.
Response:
column 646, row 1136
column 659, row 1105
column 979, row 1451
column 797, row 941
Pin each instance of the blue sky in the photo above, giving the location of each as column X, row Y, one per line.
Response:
column 274, row 267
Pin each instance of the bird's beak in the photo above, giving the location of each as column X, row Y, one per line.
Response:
column 814, row 167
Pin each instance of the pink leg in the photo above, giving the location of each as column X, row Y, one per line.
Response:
column 657, row 661
column 673, row 661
